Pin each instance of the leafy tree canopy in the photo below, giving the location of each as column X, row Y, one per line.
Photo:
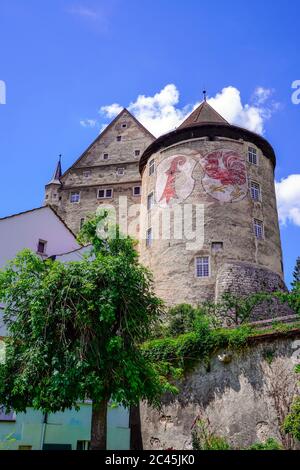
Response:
column 75, row 328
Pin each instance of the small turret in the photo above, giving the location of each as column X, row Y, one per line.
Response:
column 53, row 187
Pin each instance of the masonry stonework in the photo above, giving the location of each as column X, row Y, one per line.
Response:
column 243, row 399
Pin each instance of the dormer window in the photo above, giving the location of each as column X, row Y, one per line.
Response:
column 105, row 156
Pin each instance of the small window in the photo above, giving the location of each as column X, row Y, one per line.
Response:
column 5, row 416
column 217, row 246
column 120, row 171
column 202, row 266
column 105, row 156
column 151, row 167
column 81, row 222
column 124, row 125
column 149, row 237
column 252, row 155
column 136, row 190
column 74, row 197
column 105, row 193
column 137, row 153
column 150, row 201
column 47, row 196
column 86, row 174
column 119, row 138
column 255, row 191
column 54, row 196
column 41, row 248
column 258, row 229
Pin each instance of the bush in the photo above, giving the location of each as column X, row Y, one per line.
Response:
column 292, row 421
column 204, row 439
column 270, row 444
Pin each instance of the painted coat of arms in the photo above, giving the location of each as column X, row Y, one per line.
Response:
column 225, row 175
column 174, row 181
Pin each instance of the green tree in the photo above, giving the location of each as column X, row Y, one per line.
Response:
column 296, row 274
column 292, row 421
column 75, row 329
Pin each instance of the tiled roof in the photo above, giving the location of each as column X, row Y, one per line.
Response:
column 204, row 114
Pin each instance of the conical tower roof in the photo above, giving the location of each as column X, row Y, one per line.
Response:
column 203, row 114
column 57, row 173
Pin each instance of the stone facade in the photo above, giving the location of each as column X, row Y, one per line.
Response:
column 229, row 223
column 243, row 398
column 117, row 148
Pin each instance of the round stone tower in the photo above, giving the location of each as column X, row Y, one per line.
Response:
column 209, row 217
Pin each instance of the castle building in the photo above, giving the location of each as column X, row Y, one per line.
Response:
column 208, row 219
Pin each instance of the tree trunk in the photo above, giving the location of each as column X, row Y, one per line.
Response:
column 98, row 431
column 136, row 441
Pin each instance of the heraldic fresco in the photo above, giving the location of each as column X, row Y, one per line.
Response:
column 174, row 181
column 224, row 177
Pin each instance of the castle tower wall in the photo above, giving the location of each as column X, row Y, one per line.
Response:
column 209, row 166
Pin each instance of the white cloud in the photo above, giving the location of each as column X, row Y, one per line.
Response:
column 160, row 113
column 251, row 116
column 112, row 110
column 88, row 123
column 288, row 199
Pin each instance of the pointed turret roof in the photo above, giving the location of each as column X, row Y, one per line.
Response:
column 57, row 173
column 203, row 114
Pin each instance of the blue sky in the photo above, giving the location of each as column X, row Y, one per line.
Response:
column 64, row 60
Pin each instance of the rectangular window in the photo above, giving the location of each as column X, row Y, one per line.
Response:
column 86, row 174
column 74, row 197
column 149, row 237
column 41, row 248
column 136, row 190
column 252, row 155
column 255, row 191
column 119, row 138
column 105, row 156
column 217, row 246
column 137, row 153
column 202, row 266
column 120, row 171
column 150, row 201
column 258, row 229
column 151, row 167
column 105, row 193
